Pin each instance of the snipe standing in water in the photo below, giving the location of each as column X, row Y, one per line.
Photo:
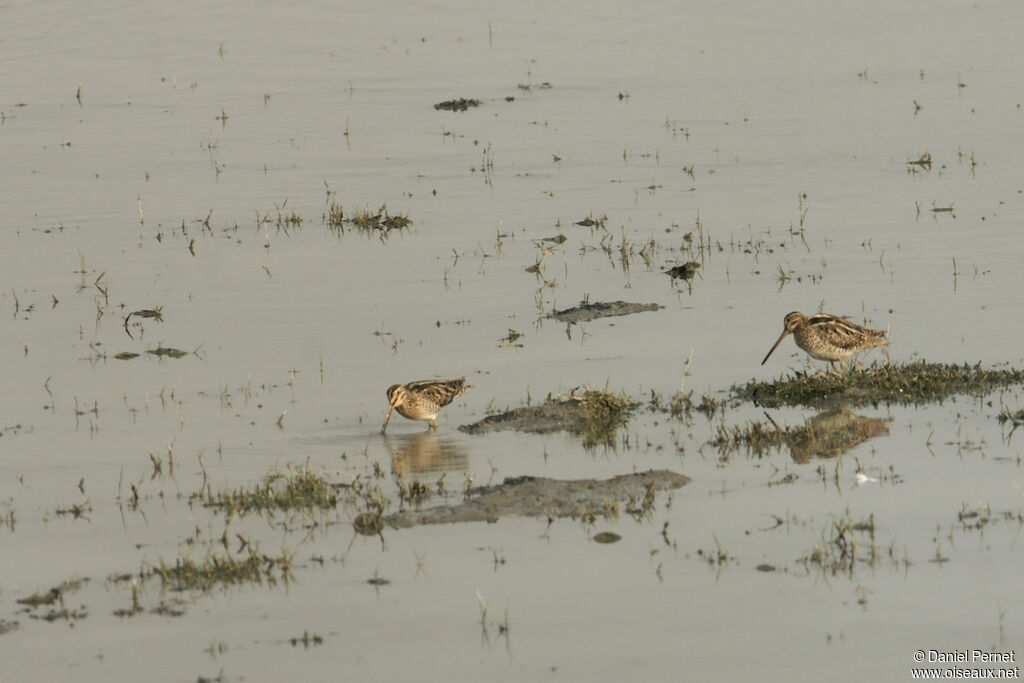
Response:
column 423, row 399
column 828, row 337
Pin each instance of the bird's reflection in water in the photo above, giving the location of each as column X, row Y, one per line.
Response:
column 425, row 453
column 831, row 433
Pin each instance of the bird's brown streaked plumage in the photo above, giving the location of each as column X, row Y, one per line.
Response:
column 423, row 399
column 828, row 337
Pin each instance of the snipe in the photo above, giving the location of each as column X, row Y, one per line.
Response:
column 828, row 337
column 423, row 399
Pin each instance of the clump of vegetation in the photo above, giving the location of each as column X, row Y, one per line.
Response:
column 292, row 220
column 682, row 405
column 381, row 220
column 717, row 558
column 307, row 639
column 303, row 490
column 55, row 599
column 903, row 383
column 367, row 496
column 755, row 437
column 641, row 507
column 334, row 217
column 843, row 545
column 222, row 571
column 980, row 516
column 685, row 271
column 461, row 104
column 601, row 416
column 413, row 493
column 366, row 221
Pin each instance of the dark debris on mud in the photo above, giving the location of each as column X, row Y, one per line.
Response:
column 901, row 383
column 540, row 496
column 685, row 271
column 602, row 309
column 460, row 104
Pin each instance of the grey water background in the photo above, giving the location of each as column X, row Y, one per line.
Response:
column 148, row 152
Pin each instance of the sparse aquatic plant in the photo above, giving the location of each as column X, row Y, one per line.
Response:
column 302, row 490
column 900, row 383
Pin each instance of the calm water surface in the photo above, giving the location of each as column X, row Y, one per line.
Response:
column 153, row 157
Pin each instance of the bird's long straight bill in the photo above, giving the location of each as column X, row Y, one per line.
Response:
column 387, row 418
column 777, row 342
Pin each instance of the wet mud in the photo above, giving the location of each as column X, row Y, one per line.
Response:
column 593, row 415
column 603, row 309
column 540, row 496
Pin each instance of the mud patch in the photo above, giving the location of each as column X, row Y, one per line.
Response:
column 540, row 496
column 603, row 309
column 901, row 383
column 595, row 416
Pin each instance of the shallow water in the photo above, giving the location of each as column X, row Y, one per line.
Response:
column 778, row 135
